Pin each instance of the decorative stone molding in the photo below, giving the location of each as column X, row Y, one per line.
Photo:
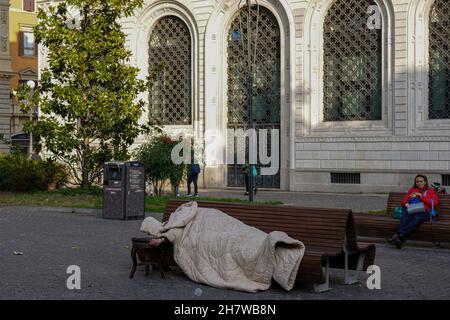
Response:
column 6, row 75
column 418, row 63
column 374, row 139
column 139, row 28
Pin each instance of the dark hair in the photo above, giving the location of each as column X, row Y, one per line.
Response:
column 424, row 178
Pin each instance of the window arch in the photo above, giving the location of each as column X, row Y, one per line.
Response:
column 439, row 61
column 352, row 64
column 170, row 97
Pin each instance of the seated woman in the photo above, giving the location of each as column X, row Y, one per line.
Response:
column 420, row 192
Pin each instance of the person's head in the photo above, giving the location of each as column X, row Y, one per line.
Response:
column 420, row 181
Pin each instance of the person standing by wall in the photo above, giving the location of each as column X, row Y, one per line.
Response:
column 193, row 172
column 247, row 178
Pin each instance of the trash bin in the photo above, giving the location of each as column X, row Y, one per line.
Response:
column 124, row 190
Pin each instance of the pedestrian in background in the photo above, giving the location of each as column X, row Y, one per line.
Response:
column 247, row 178
column 193, row 172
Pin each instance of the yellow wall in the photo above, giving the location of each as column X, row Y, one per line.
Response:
column 17, row 18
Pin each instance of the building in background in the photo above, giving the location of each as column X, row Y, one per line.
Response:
column 5, row 72
column 21, row 57
column 359, row 89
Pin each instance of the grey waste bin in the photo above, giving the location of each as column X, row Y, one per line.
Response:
column 124, row 190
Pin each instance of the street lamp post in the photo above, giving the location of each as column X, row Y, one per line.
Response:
column 30, row 87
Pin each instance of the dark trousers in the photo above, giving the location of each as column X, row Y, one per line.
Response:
column 192, row 177
column 409, row 223
column 247, row 182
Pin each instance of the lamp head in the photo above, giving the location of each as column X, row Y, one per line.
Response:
column 31, row 84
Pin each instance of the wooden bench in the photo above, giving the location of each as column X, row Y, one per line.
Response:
column 328, row 234
column 384, row 226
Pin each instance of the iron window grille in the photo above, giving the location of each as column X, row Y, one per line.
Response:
column 170, row 101
column 352, row 63
column 266, row 83
column 439, row 51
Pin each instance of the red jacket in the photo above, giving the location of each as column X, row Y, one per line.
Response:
column 426, row 199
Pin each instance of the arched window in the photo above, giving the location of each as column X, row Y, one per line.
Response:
column 266, row 89
column 439, row 82
column 352, row 63
column 170, row 98
column 266, row 83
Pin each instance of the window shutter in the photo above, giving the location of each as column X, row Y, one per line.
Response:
column 20, row 43
column 28, row 5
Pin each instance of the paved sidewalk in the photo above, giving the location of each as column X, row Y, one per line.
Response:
column 356, row 202
column 53, row 239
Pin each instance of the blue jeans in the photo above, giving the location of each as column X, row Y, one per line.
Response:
column 410, row 222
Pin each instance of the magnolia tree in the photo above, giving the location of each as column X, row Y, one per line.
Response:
column 89, row 112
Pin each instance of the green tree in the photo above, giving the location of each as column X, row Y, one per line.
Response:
column 89, row 112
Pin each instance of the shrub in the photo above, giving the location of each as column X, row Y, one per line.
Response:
column 156, row 156
column 18, row 173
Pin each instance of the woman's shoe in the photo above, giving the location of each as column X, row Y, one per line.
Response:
column 396, row 240
column 393, row 239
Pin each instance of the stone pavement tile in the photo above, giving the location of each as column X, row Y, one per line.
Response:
column 51, row 241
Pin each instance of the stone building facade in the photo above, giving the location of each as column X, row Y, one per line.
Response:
column 359, row 89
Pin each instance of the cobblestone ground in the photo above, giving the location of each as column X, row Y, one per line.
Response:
column 51, row 240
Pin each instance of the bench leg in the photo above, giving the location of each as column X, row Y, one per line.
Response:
column 323, row 287
column 352, row 277
column 134, row 258
column 438, row 244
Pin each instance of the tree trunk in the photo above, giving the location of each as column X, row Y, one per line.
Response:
column 84, row 174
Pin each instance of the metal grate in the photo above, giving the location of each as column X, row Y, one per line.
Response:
column 446, row 180
column 345, row 178
column 352, row 63
column 170, row 96
column 439, row 83
column 266, row 86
